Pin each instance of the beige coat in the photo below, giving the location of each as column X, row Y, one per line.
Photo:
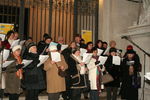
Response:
column 55, row 83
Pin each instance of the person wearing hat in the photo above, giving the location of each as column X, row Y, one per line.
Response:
column 14, row 74
column 114, row 71
column 55, row 81
column 130, row 76
column 33, row 76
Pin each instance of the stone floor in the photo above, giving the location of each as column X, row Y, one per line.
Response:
column 102, row 97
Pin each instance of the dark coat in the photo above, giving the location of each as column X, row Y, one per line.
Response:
column 114, row 71
column 13, row 83
column 77, row 80
column 128, row 91
column 33, row 77
column 42, row 46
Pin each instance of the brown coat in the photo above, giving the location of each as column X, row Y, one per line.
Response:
column 55, row 83
column 13, row 83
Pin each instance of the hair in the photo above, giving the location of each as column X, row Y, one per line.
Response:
column 112, row 41
column 71, row 43
column 94, row 49
column 45, row 35
column 77, row 35
column 9, row 34
column 75, row 50
column 48, row 38
column 105, row 43
column 89, row 43
column 97, row 42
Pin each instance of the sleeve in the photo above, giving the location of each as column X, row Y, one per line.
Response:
column 48, row 65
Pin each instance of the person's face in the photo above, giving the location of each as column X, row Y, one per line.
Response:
column 113, row 53
column 90, row 46
column 48, row 41
column 17, row 52
column 61, row 41
column 16, row 35
column 77, row 39
column 11, row 36
column 100, row 44
column 77, row 53
column 130, row 56
column 95, row 53
column 33, row 49
column 73, row 45
column 105, row 45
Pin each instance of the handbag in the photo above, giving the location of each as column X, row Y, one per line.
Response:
column 106, row 78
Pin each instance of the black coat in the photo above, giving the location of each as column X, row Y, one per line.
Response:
column 128, row 90
column 114, row 71
column 77, row 80
column 33, row 77
column 42, row 46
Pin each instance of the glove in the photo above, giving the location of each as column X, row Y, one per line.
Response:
column 19, row 66
column 3, row 69
column 97, row 62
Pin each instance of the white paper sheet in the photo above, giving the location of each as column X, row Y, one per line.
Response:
column 102, row 59
column 86, row 57
column 63, row 47
column 82, row 71
column 106, row 51
column 6, row 54
column 82, row 51
column 42, row 59
column 7, row 63
column 2, row 36
column 100, row 51
column 55, row 56
column 16, row 42
column 147, row 76
column 116, row 60
column 26, row 63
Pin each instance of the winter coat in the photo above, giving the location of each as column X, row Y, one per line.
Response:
column 55, row 83
column 92, row 74
column 114, row 71
column 13, row 83
column 33, row 76
column 77, row 80
column 128, row 91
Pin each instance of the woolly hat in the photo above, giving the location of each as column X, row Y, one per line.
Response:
column 131, row 52
column 129, row 47
column 16, row 48
column 112, row 50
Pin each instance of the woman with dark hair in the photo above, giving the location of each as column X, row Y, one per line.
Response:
column 130, row 76
column 8, row 39
column 33, row 76
column 89, row 47
column 77, row 79
column 99, row 44
column 14, row 74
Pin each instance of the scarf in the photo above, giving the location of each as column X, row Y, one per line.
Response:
column 98, row 75
column 20, row 71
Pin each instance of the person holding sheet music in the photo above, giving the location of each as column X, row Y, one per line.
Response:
column 78, row 81
column 33, row 77
column 131, row 80
column 54, row 67
column 114, row 71
column 66, row 53
column 14, row 74
column 94, row 75
column 8, row 40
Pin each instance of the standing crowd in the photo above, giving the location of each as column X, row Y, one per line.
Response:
column 70, row 76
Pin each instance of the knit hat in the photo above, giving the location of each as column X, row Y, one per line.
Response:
column 17, row 47
column 131, row 52
column 30, row 45
column 129, row 47
column 112, row 50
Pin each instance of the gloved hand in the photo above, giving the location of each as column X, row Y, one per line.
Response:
column 4, row 69
column 19, row 66
column 97, row 62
